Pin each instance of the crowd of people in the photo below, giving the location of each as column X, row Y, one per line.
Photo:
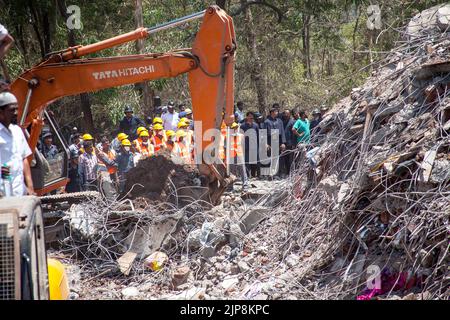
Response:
column 172, row 130
column 137, row 139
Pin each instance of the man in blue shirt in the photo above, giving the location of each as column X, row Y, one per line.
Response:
column 125, row 161
column 130, row 123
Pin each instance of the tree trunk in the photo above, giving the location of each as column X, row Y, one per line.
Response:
column 256, row 71
column 306, row 40
column 144, row 88
column 85, row 100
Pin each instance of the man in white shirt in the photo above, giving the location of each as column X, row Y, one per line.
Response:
column 170, row 118
column 6, row 41
column 14, row 150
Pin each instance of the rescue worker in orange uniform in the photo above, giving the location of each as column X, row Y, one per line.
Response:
column 158, row 138
column 170, row 142
column 237, row 162
column 107, row 159
column 142, row 144
column 180, row 149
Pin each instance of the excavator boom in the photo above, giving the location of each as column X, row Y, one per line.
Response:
column 209, row 65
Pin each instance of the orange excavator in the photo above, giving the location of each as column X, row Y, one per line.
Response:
column 209, row 65
column 25, row 273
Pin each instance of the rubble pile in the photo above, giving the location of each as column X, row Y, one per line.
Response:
column 373, row 200
column 364, row 215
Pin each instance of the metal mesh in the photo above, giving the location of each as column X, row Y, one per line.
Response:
column 7, row 261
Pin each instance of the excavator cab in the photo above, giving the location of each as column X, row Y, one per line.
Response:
column 49, row 172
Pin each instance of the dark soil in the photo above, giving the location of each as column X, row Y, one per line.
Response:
column 149, row 178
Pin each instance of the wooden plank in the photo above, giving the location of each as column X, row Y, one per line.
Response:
column 126, row 261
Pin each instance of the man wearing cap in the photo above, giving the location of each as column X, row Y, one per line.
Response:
column 14, row 150
column 74, row 175
column 48, row 149
column 6, row 41
column 88, row 167
column 125, row 161
column 170, row 118
column 130, row 123
column 251, row 129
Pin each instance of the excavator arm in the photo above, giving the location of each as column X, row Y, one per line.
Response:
column 209, row 65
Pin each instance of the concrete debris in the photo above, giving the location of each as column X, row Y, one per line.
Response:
column 372, row 199
column 130, row 292
column 156, row 261
column 253, row 217
column 125, row 262
column 180, row 276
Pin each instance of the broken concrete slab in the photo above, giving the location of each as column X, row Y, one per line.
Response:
column 144, row 242
column 180, row 276
column 252, row 217
column 443, row 18
column 126, row 261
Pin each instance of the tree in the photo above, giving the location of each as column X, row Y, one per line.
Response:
column 85, row 100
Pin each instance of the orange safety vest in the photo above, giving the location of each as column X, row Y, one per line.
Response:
column 111, row 156
column 181, row 150
column 157, row 142
column 145, row 150
column 236, row 146
column 223, row 135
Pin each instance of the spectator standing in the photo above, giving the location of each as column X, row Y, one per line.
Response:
column 14, row 150
column 74, row 174
column 301, row 128
column 170, row 118
column 291, row 142
column 76, row 142
column 130, row 123
column 239, row 113
column 48, row 149
column 274, row 125
column 88, row 167
column 251, row 150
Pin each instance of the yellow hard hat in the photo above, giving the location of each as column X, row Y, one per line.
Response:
column 181, row 124
column 126, row 143
column 144, row 133
column 181, row 133
column 170, row 133
column 140, row 129
column 234, row 125
column 157, row 120
column 87, row 137
column 185, row 120
column 158, row 126
column 122, row 136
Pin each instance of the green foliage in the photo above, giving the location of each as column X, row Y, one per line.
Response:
column 337, row 28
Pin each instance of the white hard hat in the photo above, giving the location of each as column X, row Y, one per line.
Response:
column 7, row 98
